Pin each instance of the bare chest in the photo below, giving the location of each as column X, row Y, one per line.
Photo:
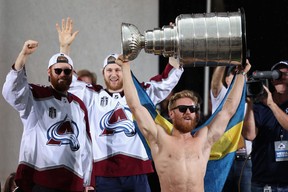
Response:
column 184, row 150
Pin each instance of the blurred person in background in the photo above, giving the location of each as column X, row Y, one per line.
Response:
column 87, row 76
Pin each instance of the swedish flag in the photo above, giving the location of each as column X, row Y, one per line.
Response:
column 222, row 152
column 148, row 104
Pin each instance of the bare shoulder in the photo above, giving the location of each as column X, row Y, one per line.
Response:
column 163, row 131
column 202, row 132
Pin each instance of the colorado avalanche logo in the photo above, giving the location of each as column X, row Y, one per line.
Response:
column 64, row 132
column 116, row 121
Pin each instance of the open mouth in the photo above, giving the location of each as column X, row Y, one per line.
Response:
column 187, row 118
column 113, row 80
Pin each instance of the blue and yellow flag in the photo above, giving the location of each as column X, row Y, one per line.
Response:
column 222, row 152
column 148, row 104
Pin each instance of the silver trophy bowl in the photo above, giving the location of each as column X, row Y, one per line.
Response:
column 209, row 39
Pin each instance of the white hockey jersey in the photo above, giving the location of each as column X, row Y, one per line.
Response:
column 56, row 147
column 117, row 147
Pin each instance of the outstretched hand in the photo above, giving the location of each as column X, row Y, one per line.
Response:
column 66, row 34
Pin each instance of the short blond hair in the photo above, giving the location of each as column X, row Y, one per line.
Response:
column 184, row 94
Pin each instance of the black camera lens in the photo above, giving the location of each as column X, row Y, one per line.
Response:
column 255, row 88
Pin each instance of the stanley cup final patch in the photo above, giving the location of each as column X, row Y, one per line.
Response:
column 104, row 101
column 52, row 112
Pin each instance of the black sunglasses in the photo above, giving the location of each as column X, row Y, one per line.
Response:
column 183, row 108
column 58, row 71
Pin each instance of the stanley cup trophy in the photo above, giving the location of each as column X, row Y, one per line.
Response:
column 210, row 39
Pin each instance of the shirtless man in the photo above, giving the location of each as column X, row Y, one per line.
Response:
column 181, row 158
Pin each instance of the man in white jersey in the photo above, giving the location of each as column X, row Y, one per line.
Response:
column 120, row 159
column 181, row 158
column 55, row 152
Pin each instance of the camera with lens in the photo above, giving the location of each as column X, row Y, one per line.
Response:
column 255, row 83
column 255, row 88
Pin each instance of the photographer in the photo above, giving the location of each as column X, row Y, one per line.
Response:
column 266, row 123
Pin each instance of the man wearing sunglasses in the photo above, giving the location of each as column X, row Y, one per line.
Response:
column 181, row 158
column 55, row 152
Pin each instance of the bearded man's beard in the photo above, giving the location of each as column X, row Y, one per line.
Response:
column 61, row 85
column 182, row 126
column 113, row 87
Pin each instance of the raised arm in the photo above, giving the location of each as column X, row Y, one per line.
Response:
column 16, row 89
column 66, row 35
column 217, row 80
column 249, row 129
column 143, row 118
column 29, row 47
column 217, row 127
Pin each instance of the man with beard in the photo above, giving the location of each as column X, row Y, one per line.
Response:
column 55, row 152
column 266, row 124
column 181, row 158
column 121, row 162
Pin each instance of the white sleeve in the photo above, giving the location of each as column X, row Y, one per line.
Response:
column 16, row 91
column 81, row 90
column 215, row 101
column 160, row 86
